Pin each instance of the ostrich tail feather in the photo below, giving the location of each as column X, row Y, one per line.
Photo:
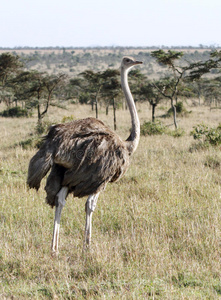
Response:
column 39, row 166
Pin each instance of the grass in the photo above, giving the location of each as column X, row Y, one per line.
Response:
column 156, row 233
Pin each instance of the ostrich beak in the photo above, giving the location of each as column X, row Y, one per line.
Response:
column 138, row 62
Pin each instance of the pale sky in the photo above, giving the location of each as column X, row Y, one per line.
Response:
column 88, row 23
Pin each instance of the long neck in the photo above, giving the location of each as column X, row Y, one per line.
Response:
column 133, row 139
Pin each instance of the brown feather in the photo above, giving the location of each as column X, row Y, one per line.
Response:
column 85, row 155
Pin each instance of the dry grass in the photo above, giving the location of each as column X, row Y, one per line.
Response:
column 156, row 233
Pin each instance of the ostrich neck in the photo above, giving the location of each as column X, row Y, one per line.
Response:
column 133, row 139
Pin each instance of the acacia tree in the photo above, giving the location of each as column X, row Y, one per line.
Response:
column 94, row 82
column 10, row 65
column 111, row 90
column 52, row 83
column 93, row 86
column 110, row 87
column 37, row 89
column 190, row 71
column 198, row 69
column 170, row 87
column 136, row 80
column 212, row 91
column 152, row 95
column 197, row 88
column 19, row 84
column 209, row 87
column 74, row 90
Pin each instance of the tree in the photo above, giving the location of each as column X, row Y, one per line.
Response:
column 152, row 95
column 136, row 79
column 211, row 88
column 37, row 89
column 94, row 83
column 111, row 89
column 170, row 87
column 74, row 90
column 93, row 86
column 197, row 88
column 212, row 91
column 197, row 70
column 10, row 65
column 51, row 83
column 189, row 71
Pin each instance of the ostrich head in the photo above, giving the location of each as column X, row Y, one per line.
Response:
column 128, row 62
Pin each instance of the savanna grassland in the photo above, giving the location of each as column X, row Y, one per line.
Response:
column 76, row 60
column 156, row 233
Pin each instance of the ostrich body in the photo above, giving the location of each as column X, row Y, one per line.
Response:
column 83, row 156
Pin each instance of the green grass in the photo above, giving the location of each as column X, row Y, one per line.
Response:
column 156, row 233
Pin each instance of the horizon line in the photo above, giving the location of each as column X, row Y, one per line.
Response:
column 200, row 46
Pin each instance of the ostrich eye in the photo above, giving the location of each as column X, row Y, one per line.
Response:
column 127, row 60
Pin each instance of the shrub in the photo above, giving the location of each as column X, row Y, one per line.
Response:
column 214, row 136
column 84, row 98
column 157, row 128
column 42, row 127
column 66, row 119
column 177, row 133
column 26, row 143
column 199, row 132
column 15, row 112
column 207, row 135
column 180, row 107
column 32, row 142
column 180, row 110
column 152, row 128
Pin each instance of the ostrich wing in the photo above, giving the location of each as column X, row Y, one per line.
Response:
column 97, row 160
column 90, row 153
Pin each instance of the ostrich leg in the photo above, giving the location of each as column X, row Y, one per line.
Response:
column 62, row 194
column 89, row 208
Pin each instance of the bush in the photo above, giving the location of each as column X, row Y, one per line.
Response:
column 180, row 107
column 214, row 136
column 32, row 142
column 15, row 112
column 157, row 128
column 207, row 135
column 177, row 133
column 180, row 110
column 43, row 127
column 150, row 128
column 84, row 98
column 199, row 132
column 66, row 119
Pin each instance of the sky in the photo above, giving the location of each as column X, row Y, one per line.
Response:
column 104, row 23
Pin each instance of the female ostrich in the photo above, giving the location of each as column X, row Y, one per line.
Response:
column 83, row 156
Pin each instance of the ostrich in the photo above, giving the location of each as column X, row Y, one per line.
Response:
column 83, row 155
